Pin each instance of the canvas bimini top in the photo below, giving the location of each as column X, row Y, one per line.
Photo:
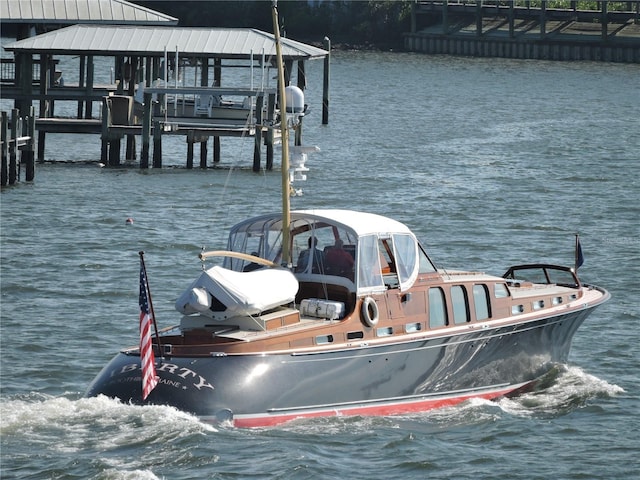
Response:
column 381, row 250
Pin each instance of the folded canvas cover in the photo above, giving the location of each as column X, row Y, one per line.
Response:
column 243, row 293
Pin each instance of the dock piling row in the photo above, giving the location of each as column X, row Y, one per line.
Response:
column 17, row 135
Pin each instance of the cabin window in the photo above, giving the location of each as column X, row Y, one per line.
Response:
column 517, row 309
column 460, row 304
column 557, row 300
column 413, row 327
column 384, row 331
column 324, row 339
column 437, row 308
column 481, row 302
column 425, row 263
column 538, row 304
column 500, row 290
column 355, row 335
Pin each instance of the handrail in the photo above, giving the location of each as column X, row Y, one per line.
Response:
column 510, row 274
column 240, row 255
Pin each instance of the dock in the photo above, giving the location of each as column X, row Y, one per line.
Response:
column 527, row 30
column 167, row 81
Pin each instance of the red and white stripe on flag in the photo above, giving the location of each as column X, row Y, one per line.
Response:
column 147, row 361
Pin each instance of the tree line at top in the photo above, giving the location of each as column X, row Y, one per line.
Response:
column 360, row 23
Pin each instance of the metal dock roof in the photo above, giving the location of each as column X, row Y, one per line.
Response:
column 152, row 41
column 80, row 11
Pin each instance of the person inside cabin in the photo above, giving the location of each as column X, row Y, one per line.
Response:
column 317, row 262
column 339, row 261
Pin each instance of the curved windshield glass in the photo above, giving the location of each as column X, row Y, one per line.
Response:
column 406, row 254
column 369, row 270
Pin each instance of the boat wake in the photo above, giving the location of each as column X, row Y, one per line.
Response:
column 563, row 390
column 560, row 392
column 100, row 432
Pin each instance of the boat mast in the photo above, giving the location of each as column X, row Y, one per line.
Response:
column 286, row 203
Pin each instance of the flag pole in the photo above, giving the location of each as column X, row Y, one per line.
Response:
column 153, row 314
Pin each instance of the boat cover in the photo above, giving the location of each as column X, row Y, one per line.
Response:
column 242, row 293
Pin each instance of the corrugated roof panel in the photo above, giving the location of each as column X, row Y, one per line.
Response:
column 79, row 11
column 129, row 40
column 44, row 10
column 82, row 9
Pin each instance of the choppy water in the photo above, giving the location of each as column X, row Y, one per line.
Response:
column 492, row 162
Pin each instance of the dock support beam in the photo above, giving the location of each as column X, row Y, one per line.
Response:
column 258, row 134
column 4, row 134
column 325, row 81
column 190, row 142
column 271, row 107
column 216, row 150
column 157, row 145
column 28, row 155
column 13, row 159
column 146, row 131
column 203, row 153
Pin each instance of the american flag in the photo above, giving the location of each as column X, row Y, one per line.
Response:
column 147, row 362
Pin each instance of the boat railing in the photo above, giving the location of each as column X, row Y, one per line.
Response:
column 542, row 273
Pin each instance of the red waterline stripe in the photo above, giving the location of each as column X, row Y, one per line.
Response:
column 270, row 420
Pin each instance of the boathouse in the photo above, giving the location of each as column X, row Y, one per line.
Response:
column 26, row 18
column 163, row 81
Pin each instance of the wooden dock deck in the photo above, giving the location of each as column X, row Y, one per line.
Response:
column 519, row 30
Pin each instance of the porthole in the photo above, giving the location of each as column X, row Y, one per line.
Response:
column 413, row 327
column 384, row 331
column 355, row 335
column 517, row 309
column 538, row 304
column 557, row 300
column 324, row 339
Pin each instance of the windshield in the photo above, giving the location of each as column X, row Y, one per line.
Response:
column 375, row 261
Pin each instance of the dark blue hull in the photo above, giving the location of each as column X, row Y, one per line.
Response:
column 415, row 375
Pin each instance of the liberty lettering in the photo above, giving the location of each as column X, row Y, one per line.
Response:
column 129, row 368
column 184, row 373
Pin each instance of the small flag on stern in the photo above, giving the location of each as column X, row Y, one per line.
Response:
column 147, row 361
column 579, row 255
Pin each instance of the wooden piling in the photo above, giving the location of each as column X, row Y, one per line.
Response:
column 114, row 151
column 258, row 134
column 4, row 134
column 28, row 154
column 325, row 81
column 271, row 106
column 13, row 158
column 104, row 132
column 157, row 145
column 190, row 142
column 216, row 149
column 130, row 152
column 146, row 131
column 203, row 153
